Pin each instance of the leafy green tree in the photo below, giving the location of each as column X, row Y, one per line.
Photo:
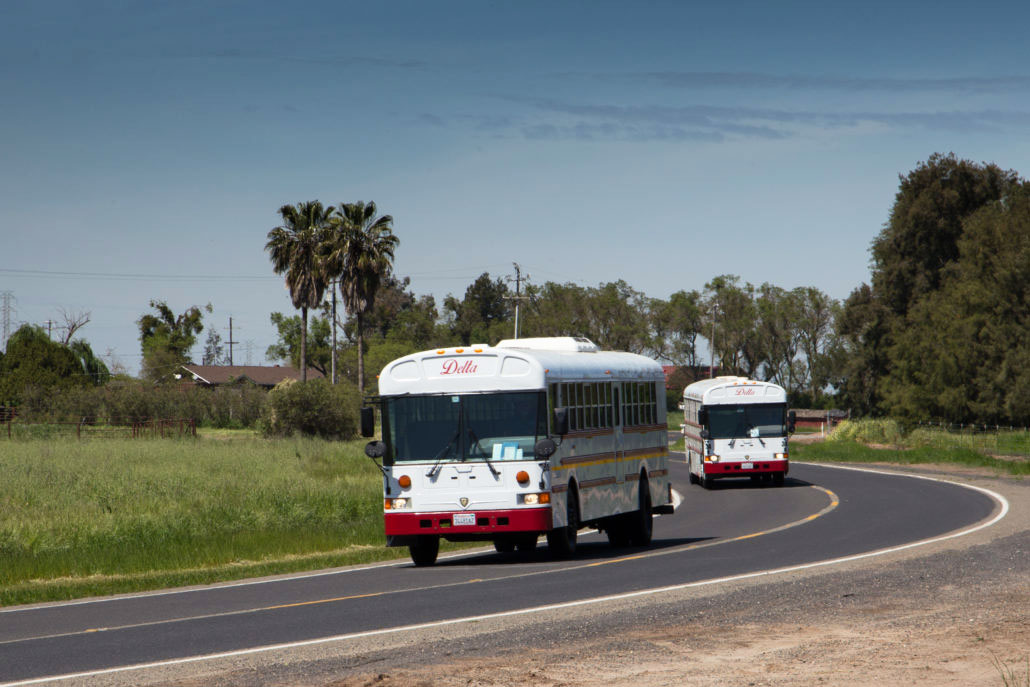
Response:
column 817, row 315
column 556, row 310
column 288, row 346
column 730, row 310
column 920, row 239
column 960, row 357
column 484, row 315
column 213, row 349
column 676, row 325
column 618, row 317
column 33, row 360
column 897, row 359
column 93, row 367
column 296, row 250
column 359, row 251
column 166, row 339
column 402, row 317
column 778, row 313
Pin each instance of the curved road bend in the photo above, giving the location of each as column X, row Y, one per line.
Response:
column 821, row 513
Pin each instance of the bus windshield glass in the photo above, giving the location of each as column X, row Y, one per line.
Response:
column 747, row 421
column 461, row 427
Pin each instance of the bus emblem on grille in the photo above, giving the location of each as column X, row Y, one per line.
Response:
column 463, row 501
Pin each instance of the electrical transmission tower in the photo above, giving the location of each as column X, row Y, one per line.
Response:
column 6, row 308
column 518, row 297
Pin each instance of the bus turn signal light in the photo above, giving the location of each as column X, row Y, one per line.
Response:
column 404, row 481
column 522, row 477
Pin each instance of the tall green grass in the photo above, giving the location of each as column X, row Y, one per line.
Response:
column 81, row 517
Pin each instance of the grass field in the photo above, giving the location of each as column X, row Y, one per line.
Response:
column 849, row 451
column 99, row 516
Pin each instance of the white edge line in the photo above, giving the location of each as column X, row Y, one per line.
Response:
column 1001, row 500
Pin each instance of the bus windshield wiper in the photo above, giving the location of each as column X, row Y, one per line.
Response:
column 439, row 456
column 485, row 458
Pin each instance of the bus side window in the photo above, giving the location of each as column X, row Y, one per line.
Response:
column 616, row 415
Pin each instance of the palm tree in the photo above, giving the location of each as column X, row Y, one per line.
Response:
column 295, row 249
column 360, row 252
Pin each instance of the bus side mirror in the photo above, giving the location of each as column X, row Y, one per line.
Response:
column 705, row 435
column 702, row 416
column 561, row 421
column 545, row 448
column 368, row 422
column 375, row 449
column 792, row 421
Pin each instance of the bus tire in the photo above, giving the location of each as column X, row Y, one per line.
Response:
column 706, row 482
column 504, row 544
column 425, row 549
column 778, row 479
column 642, row 520
column 562, row 540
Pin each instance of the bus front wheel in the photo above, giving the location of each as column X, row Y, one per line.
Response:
column 562, row 540
column 425, row 549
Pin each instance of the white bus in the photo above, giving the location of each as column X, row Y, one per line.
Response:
column 736, row 427
column 526, row 438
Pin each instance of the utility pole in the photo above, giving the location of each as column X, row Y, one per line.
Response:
column 6, row 298
column 248, row 346
column 332, row 376
column 715, row 314
column 518, row 297
column 49, row 328
column 230, row 341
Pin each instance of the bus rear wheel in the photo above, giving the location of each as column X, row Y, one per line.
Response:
column 642, row 520
column 562, row 540
column 425, row 549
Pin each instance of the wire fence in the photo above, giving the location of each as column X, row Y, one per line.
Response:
column 995, row 440
column 99, row 428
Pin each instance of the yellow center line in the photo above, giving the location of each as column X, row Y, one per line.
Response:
column 834, row 502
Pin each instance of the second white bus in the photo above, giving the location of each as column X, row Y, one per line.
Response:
column 736, row 427
column 526, row 438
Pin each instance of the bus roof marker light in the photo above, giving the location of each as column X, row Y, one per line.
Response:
column 459, row 350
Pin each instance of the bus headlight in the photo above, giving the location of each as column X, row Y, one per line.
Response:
column 536, row 499
column 395, row 504
column 712, row 459
column 781, row 456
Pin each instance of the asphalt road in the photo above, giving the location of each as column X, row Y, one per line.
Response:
column 737, row 528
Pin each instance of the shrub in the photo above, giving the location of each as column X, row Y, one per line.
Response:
column 883, row 431
column 314, row 408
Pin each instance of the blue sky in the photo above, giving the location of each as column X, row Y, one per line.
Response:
column 146, row 146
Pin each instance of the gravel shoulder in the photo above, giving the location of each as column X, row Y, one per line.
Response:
column 955, row 612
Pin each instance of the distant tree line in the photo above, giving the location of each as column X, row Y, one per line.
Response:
column 941, row 332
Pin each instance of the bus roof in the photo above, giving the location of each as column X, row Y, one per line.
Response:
column 735, row 390
column 511, row 365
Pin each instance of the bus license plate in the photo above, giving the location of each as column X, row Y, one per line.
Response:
column 747, row 466
column 464, row 519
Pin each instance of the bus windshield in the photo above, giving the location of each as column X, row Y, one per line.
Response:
column 747, row 421
column 498, row 426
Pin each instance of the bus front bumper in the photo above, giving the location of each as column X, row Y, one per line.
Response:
column 469, row 525
column 757, row 467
